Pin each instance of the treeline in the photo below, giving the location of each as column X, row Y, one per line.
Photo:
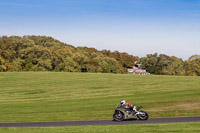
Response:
column 171, row 65
column 41, row 53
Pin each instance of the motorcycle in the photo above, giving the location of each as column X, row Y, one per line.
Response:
column 125, row 112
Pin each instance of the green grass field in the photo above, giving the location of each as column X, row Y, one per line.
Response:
column 152, row 128
column 59, row 96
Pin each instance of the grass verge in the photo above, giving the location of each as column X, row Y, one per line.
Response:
column 152, row 128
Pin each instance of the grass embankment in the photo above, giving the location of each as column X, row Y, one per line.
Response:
column 57, row 96
column 155, row 128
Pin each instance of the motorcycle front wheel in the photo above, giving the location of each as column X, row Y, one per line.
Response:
column 144, row 116
column 118, row 116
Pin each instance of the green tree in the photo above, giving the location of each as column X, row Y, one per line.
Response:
column 193, row 57
column 2, row 65
column 175, row 66
column 192, row 66
column 150, row 62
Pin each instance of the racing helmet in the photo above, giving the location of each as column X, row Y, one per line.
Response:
column 122, row 102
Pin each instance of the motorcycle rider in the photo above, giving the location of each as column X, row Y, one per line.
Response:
column 123, row 102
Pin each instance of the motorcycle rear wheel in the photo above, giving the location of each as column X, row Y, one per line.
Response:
column 118, row 116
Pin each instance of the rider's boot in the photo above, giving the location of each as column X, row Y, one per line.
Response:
column 134, row 109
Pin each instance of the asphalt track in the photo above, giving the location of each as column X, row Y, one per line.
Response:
column 102, row 122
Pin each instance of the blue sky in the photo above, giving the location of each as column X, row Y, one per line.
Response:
column 138, row 27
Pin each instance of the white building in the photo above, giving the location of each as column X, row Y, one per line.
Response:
column 137, row 70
